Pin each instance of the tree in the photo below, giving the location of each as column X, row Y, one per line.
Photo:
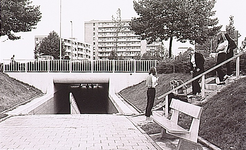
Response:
column 231, row 30
column 113, row 55
column 157, row 54
column 50, row 46
column 18, row 16
column 185, row 20
column 119, row 27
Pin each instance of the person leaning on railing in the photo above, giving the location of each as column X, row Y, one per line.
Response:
column 221, row 50
column 229, row 53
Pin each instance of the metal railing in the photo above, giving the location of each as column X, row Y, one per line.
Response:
column 79, row 66
column 202, row 76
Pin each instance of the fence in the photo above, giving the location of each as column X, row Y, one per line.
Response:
column 80, row 66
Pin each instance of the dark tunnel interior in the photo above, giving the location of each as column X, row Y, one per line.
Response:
column 90, row 98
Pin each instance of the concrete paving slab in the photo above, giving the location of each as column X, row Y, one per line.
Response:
column 82, row 131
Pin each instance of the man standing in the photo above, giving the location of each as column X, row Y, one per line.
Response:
column 196, row 68
column 151, row 83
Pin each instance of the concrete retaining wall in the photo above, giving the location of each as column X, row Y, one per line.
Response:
column 45, row 81
column 48, row 104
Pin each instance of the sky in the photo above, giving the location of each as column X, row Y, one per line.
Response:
column 80, row 11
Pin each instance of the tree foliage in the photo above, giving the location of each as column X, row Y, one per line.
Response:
column 18, row 16
column 231, row 30
column 50, row 46
column 185, row 20
column 113, row 55
column 157, row 54
column 118, row 28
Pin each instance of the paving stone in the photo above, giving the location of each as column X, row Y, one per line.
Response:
column 71, row 132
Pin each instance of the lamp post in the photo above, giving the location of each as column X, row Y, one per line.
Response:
column 72, row 40
column 60, row 32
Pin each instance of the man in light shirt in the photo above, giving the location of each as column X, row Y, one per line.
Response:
column 151, row 83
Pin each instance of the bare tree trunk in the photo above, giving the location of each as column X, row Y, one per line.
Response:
column 170, row 47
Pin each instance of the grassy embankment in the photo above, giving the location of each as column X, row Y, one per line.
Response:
column 223, row 121
column 14, row 93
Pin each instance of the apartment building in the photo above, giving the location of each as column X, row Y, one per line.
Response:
column 75, row 49
column 105, row 37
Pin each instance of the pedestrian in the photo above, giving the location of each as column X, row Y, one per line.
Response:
column 151, row 83
column 229, row 53
column 13, row 59
column 196, row 68
column 221, row 51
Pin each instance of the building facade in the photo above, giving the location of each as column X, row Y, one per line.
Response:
column 106, row 36
column 74, row 49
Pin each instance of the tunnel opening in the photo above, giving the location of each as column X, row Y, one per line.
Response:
column 90, row 98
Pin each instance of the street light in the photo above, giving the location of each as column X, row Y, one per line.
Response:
column 60, row 32
column 72, row 40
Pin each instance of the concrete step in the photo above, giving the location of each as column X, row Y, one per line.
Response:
column 210, row 86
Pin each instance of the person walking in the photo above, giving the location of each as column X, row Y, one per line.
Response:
column 196, row 68
column 151, row 83
column 221, row 50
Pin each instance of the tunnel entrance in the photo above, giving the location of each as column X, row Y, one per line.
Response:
column 90, row 98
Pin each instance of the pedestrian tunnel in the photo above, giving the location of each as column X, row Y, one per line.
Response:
column 93, row 93
column 83, row 98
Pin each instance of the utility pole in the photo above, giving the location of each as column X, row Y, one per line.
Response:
column 71, row 40
column 60, row 32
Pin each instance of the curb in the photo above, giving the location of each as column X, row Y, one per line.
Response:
column 207, row 143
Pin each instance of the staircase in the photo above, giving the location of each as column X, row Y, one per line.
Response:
column 211, row 89
column 208, row 86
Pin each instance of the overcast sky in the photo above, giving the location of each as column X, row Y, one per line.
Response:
column 79, row 11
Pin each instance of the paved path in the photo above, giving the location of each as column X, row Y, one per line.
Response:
column 82, row 132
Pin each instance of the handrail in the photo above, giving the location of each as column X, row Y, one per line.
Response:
column 204, row 73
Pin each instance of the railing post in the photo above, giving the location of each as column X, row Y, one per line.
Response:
column 26, row 67
column 70, row 66
column 237, row 67
column 113, row 63
column 135, row 66
column 3, row 67
column 48, row 66
column 203, row 86
column 92, row 66
column 166, row 106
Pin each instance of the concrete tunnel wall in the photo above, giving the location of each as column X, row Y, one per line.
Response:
column 47, row 83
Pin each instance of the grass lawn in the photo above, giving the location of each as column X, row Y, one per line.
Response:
column 223, row 120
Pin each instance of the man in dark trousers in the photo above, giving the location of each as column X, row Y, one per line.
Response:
column 196, row 68
column 229, row 54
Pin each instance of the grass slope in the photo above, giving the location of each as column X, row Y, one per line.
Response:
column 223, row 120
column 137, row 94
column 13, row 92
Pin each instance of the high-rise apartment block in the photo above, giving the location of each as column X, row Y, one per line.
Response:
column 106, row 36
